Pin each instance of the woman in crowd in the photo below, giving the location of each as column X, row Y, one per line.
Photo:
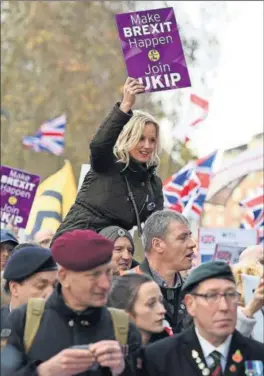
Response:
column 141, row 298
column 124, row 249
column 122, row 187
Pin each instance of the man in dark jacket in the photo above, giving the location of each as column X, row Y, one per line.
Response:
column 168, row 250
column 115, row 194
column 213, row 346
column 30, row 272
column 74, row 315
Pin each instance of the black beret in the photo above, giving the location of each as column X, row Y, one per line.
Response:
column 208, row 270
column 81, row 250
column 115, row 232
column 28, row 261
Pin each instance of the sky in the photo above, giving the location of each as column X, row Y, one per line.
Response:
column 236, row 100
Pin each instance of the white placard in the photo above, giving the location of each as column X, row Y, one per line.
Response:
column 228, row 252
column 250, row 284
column 84, row 169
column 210, row 237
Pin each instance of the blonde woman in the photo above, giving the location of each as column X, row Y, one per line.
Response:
column 121, row 188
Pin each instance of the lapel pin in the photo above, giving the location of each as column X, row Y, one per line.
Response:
column 232, row 368
column 237, row 357
column 205, row 372
column 201, row 366
column 195, row 354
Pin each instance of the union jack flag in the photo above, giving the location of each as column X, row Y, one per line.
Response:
column 197, row 113
column 189, row 185
column 49, row 137
column 254, row 212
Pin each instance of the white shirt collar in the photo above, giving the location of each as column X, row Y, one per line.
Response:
column 208, row 348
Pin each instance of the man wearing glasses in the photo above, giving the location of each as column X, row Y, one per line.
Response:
column 212, row 346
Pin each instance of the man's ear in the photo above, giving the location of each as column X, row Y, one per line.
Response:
column 63, row 277
column 13, row 287
column 157, row 245
column 190, row 304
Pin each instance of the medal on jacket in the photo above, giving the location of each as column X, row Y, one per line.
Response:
column 200, row 364
column 254, row 368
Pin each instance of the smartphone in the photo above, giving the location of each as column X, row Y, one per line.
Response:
column 95, row 365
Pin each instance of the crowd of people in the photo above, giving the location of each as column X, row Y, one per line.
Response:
column 78, row 303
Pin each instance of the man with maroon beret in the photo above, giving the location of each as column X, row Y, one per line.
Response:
column 76, row 333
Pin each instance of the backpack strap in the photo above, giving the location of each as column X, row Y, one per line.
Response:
column 120, row 321
column 35, row 309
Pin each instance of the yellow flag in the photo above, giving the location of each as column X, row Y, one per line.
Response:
column 53, row 199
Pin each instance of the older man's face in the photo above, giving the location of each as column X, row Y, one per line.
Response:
column 87, row 288
column 178, row 247
column 214, row 315
column 44, row 238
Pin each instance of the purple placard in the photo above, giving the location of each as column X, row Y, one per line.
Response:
column 152, row 49
column 18, row 189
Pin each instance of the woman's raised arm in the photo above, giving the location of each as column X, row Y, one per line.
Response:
column 102, row 145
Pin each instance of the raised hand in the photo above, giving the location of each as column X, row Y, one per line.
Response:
column 132, row 87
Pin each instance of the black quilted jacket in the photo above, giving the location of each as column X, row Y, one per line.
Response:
column 103, row 198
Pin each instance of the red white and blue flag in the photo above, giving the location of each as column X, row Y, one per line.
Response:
column 253, row 217
column 49, row 137
column 189, row 185
column 197, row 112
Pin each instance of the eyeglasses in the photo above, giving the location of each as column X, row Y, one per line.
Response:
column 214, row 297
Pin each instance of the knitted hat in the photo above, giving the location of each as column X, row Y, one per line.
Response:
column 115, row 232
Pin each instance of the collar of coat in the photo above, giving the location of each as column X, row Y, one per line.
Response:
column 145, row 267
column 138, row 171
column 56, row 302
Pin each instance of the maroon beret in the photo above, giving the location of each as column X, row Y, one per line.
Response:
column 80, row 250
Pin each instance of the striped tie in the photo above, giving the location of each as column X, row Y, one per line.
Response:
column 216, row 369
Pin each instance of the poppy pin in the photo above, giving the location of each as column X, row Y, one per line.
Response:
column 237, row 357
column 232, row 368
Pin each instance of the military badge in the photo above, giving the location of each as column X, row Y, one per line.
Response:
column 254, row 368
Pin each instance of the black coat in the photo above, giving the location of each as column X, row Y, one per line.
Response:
column 4, row 317
column 103, row 198
column 62, row 328
column 176, row 313
column 173, row 356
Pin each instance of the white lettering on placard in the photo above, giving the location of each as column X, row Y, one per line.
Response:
column 19, row 175
column 148, row 18
column 10, row 209
column 155, row 81
column 159, row 68
column 156, row 28
column 11, row 218
column 17, row 183
column 149, row 42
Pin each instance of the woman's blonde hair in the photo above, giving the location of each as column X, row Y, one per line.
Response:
column 245, row 268
column 130, row 136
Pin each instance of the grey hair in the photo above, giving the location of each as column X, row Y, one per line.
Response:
column 156, row 226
